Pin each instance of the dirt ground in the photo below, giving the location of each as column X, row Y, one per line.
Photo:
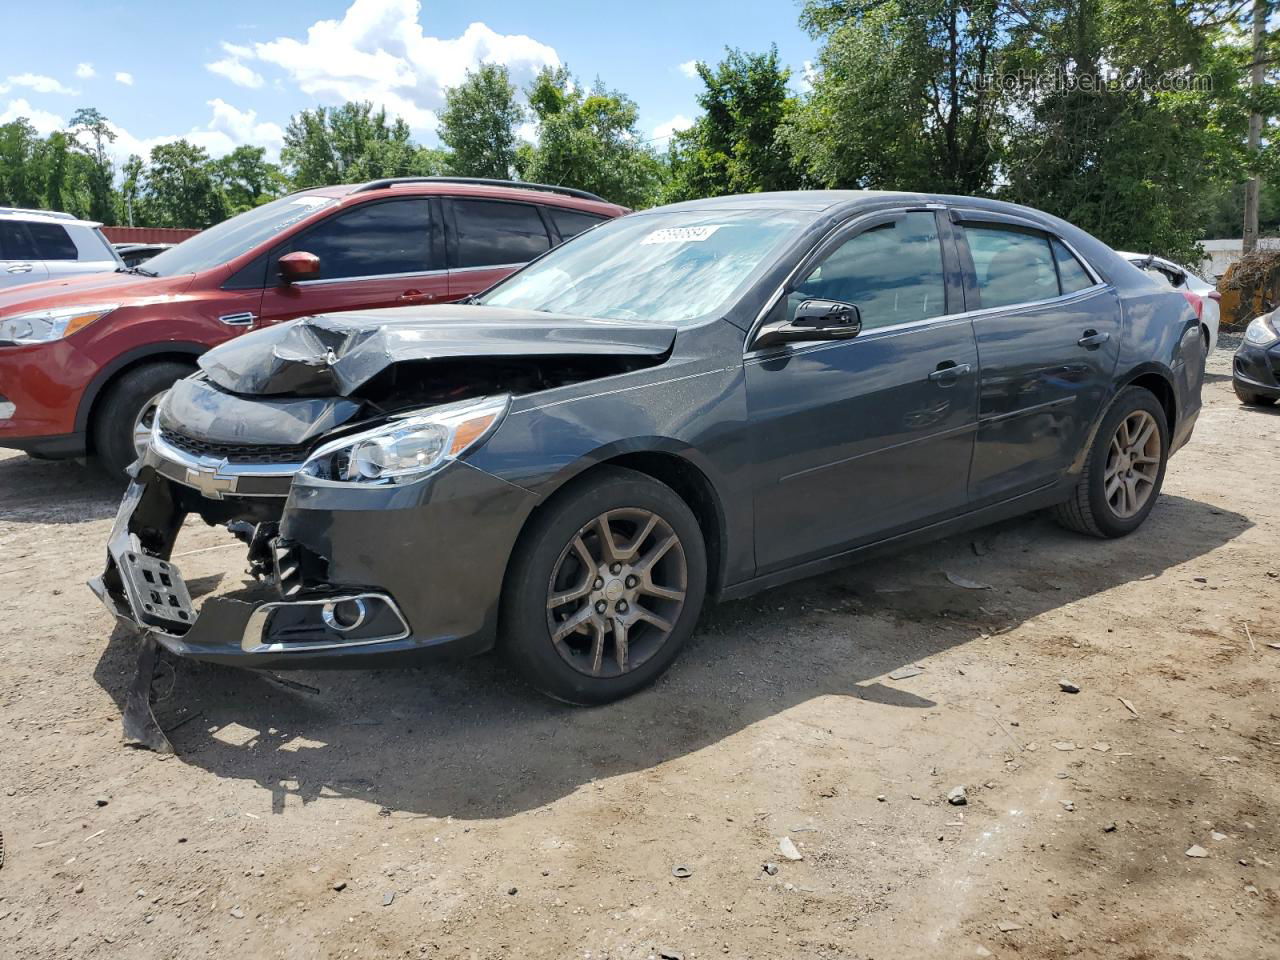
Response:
column 452, row 813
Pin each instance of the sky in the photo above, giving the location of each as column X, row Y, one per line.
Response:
column 231, row 72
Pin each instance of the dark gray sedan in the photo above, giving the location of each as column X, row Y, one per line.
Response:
column 708, row 398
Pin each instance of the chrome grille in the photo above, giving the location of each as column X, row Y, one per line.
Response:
column 235, row 452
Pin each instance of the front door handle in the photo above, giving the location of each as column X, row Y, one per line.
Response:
column 20, row 268
column 949, row 372
column 416, row 296
column 1093, row 339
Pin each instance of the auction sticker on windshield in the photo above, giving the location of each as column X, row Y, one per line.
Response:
column 680, row 234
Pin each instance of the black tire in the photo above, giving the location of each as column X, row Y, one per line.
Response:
column 526, row 635
column 1088, row 510
column 1249, row 397
column 118, row 410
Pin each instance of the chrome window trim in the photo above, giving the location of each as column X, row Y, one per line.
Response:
column 497, row 266
column 750, row 352
column 375, row 276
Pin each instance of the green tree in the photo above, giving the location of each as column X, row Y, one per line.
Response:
column 21, row 184
column 92, row 136
column 898, row 100
column 181, row 190
column 589, row 140
column 478, row 123
column 734, row 147
column 350, row 144
column 132, row 177
column 53, row 160
column 247, row 179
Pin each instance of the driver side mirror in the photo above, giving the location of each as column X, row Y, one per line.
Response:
column 814, row 320
column 298, row 265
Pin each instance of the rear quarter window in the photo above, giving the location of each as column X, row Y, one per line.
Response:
column 52, row 242
column 570, row 223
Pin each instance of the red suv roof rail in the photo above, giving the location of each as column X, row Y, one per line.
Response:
column 483, row 181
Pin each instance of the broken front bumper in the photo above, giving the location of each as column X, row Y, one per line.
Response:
column 379, row 574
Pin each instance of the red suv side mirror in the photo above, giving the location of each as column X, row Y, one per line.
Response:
column 298, row 265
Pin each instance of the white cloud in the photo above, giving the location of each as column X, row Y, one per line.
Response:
column 689, row 68
column 527, row 131
column 44, row 121
column 664, row 130
column 36, row 82
column 85, row 71
column 228, row 128
column 379, row 52
column 233, row 67
column 125, row 78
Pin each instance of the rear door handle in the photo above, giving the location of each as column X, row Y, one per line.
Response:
column 416, row 296
column 20, row 268
column 949, row 372
column 1092, row 338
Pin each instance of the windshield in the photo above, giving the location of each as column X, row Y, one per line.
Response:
column 230, row 238
column 653, row 267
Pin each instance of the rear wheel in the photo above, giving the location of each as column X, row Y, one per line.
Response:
column 123, row 418
column 604, row 588
column 1124, row 471
column 1251, row 397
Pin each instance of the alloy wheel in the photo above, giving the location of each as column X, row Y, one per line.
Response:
column 616, row 592
column 143, row 422
column 1133, row 464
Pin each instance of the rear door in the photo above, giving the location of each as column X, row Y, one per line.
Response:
column 1048, row 333
column 18, row 261
column 861, row 439
column 384, row 253
column 488, row 239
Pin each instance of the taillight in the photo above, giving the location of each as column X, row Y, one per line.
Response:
column 1195, row 301
column 1215, row 296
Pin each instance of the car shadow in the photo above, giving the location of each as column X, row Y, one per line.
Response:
column 55, row 491
column 467, row 739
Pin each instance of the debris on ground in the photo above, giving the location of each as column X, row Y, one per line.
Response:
column 1066, row 686
column 770, row 868
column 681, row 871
column 788, row 849
column 903, row 673
column 957, row 797
column 1195, row 850
column 966, row 583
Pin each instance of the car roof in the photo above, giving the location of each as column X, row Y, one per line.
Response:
column 546, row 194
column 44, row 216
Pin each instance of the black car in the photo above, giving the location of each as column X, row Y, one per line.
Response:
column 1255, row 370
column 713, row 398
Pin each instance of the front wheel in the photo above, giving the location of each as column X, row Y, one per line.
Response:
column 123, row 418
column 604, row 588
column 1124, row 471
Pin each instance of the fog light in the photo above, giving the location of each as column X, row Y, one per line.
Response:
column 345, row 615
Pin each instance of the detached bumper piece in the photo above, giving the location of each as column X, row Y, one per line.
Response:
column 143, row 588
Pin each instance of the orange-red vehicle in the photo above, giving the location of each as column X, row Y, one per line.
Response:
column 83, row 360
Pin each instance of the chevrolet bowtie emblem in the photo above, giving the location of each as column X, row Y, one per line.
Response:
column 208, row 482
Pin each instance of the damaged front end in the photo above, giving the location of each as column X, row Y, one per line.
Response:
column 334, row 449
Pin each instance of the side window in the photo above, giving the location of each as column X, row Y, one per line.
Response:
column 892, row 272
column 1070, row 272
column 15, row 242
column 370, row 240
column 570, row 223
column 492, row 232
column 52, row 242
column 1012, row 266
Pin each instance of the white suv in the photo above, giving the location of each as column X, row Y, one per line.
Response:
column 43, row 245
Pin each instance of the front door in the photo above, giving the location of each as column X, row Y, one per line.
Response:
column 387, row 253
column 1049, row 336
column 864, row 438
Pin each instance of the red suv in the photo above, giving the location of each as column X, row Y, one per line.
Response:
column 83, row 360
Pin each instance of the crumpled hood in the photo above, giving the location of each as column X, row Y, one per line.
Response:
column 334, row 354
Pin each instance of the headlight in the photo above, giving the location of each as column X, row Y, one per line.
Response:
column 41, row 326
column 407, row 448
column 1262, row 331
